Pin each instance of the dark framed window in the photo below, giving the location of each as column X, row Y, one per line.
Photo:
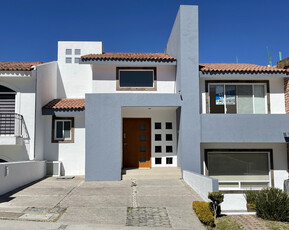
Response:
column 136, row 78
column 238, row 96
column 63, row 130
column 158, row 161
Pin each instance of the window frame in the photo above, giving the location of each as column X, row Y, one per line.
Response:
column 240, row 190
column 119, row 88
column 54, row 139
column 236, row 83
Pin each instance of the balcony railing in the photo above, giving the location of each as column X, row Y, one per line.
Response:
column 13, row 124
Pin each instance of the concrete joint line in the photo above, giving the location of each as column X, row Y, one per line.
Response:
column 69, row 193
column 134, row 192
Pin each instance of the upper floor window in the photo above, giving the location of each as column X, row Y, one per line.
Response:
column 77, row 52
column 68, row 51
column 139, row 78
column 241, row 98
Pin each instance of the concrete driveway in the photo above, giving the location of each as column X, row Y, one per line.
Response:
column 75, row 204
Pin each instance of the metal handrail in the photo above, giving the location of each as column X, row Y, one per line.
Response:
column 13, row 124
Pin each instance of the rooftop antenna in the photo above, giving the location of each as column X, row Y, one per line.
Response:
column 237, row 60
column 269, row 57
column 280, row 55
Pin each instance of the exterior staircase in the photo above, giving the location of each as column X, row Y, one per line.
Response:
column 152, row 173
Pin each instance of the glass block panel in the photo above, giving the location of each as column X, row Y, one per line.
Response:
column 169, row 125
column 67, row 127
column 169, row 160
column 76, row 60
column 59, row 128
column 169, row 149
column 77, row 52
column 142, row 127
column 68, row 60
column 169, row 137
column 158, row 149
column 68, row 51
column 158, row 137
column 142, row 148
column 142, row 160
column 158, row 125
column 158, row 161
column 142, row 138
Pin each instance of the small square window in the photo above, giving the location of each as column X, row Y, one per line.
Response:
column 169, row 125
column 142, row 127
column 142, row 149
column 77, row 51
column 158, row 149
column 158, row 125
column 142, row 138
column 68, row 51
column 158, row 161
column 62, row 129
column 169, row 137
column 158, row 137
column 76, row 60
column 68, row 60
column 142, row 160
column 169, row 160
column 169, row 149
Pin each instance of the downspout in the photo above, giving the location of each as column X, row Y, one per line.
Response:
column 35, row 111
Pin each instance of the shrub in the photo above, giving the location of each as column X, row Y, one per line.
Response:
column 251, row 197
column 272, row 204
column 203, row 212
column 217, row 198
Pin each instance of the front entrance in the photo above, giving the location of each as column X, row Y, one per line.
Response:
column 136, row 143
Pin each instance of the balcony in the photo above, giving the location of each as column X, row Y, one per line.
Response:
column 244, row 128
column 13, row 129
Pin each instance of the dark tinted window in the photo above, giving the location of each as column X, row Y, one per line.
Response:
column 136, row 78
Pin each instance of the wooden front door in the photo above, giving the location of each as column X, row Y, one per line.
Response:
column 136, row 143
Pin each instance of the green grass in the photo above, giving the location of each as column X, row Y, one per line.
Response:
column 226, row 223
column 275, row 225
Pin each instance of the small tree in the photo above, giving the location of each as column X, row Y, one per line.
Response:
column 217, row 198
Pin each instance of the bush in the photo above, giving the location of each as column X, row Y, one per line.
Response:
column 217, row 198
column 203, row 212
column 272, row 204
column 251, row 197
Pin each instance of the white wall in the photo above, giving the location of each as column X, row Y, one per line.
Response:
column 277, row 100
column 72, row 155
column 200, row 183
column 157, row 114
column 24, row 83
column 104, row 79
column 17, row 174
column 46, row 91
column 75, row 80
column 237, row 201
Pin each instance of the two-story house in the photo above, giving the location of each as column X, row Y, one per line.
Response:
column 96, row 113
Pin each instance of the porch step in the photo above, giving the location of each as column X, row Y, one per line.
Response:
column 152, row 173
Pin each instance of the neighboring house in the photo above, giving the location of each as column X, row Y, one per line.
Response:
column 98, row 112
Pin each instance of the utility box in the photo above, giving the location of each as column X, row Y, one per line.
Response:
column 53, row 168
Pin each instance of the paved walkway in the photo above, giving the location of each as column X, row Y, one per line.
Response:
column 249, row 222
column 76, row 204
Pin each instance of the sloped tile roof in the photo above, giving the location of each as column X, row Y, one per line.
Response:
column 66, row 104
column 235, row 67
column 157, row 57
column 17, row 66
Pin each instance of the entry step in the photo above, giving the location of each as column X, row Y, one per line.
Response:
column 152, row 173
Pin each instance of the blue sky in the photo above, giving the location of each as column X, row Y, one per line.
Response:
column 227, row 29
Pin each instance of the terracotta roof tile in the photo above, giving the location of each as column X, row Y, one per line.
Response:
column 68, row 104
column 17, row 66
column 158, row 57
column 234, row 67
